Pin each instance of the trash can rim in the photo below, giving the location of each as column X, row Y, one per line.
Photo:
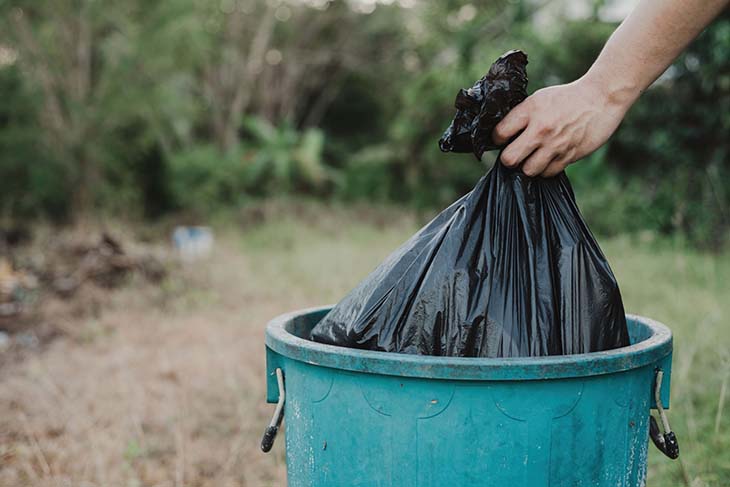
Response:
column 648, row 351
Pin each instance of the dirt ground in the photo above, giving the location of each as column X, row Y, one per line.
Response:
column 148, row 394
column 166, row 386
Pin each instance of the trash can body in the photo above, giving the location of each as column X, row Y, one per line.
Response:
column 363, row 418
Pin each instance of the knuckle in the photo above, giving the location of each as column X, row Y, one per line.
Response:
column 545, row 130
column 500, row 132
column 521, row 111
column 508, row 159
column 561, row 148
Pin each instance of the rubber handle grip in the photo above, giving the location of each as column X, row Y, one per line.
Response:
column 666, row 443
column 267, row 442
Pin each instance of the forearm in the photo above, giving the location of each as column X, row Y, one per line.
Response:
column 559, row 125
column 646, row 43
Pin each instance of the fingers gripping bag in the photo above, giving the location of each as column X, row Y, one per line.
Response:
column 509, row 270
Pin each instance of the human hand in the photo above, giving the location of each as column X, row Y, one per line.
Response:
column 559, row 125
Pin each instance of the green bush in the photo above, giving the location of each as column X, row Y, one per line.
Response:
column 33, row 183
column 204, row 179
column 337, row 101
column 675, row 142
column 370, row 173
column 281, row 159
column 270, row 161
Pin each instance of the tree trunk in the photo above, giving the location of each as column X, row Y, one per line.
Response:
column 84, row 186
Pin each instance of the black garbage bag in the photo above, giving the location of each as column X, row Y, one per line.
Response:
column 480, row 108
column 508, row 270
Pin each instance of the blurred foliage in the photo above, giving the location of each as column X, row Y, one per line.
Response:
column 146, row 108
column 31, row 180
column 273, row 160
column 282, row 159
column 202, row 179
column 676, row 141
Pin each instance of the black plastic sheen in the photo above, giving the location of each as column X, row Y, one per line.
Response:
column 480, row 108
column 509, row 270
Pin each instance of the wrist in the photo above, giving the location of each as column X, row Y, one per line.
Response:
column 613, row 93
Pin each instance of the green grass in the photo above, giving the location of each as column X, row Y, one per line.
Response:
column 690, row 292
column 319, row 259
column 169, row 379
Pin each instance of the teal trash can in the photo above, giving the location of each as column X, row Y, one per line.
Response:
column 363, row 418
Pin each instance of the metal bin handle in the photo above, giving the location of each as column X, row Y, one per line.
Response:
column 665, row 441
column 270, row 434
